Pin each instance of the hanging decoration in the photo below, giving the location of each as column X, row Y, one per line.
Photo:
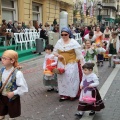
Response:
column 91, row 9
column 84, row 7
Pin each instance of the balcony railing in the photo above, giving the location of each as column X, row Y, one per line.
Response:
column 111, row 5
column 67, row 1
column 105, row 16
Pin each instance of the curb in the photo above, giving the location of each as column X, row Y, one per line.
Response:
column 33, row 59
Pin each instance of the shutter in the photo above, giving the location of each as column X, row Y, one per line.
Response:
column 7, row 15
column 35, row 16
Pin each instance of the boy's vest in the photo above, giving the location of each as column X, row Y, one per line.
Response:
column 11, row 86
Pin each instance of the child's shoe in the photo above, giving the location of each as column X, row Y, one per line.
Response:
column 50, row 90
column 79, row 115
column 91, row 113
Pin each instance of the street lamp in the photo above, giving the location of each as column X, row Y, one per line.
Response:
column 99, row 8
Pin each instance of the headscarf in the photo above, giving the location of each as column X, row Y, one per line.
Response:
column 12, row 55
column 65, row 29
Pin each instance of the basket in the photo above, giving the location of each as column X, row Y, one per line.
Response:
column 48, row 71
column 59, row 70
column 87, row 99
column 116, row 59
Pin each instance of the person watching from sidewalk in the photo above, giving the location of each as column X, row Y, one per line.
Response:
column 43, row 34
column 12, row 85
column 10, row 24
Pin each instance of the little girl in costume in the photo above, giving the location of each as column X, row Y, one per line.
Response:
column 113, row 48
column 88, row 87
column 90, row 55
column 14, row 87
column 49, row 64
column 100, row 58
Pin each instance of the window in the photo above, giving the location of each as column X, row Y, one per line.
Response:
column 37, row 12
column 9, row 10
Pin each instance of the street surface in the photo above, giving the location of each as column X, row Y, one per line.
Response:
column 38, row 104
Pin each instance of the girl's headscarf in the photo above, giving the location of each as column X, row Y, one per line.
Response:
column 12, row 55
column 65, row 29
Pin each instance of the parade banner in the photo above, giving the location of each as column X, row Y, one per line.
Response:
column 91, row 9
column 84, row 7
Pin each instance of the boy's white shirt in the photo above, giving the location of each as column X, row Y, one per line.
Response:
column 100, row 50
column 20, row 81
column 87, row 37
column 50, row 56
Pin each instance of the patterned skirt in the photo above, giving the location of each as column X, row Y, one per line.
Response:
column 95, row 107
column 100, row 57
column 50, row 81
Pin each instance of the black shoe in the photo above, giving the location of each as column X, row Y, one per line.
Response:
column 50, row 89
column 113, row 66
column 109, row 66
column 78, row 115
column 91, row 113
column 56, row 91
column 101, row 65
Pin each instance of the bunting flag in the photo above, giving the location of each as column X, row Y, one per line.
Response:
column 91, row 9
column 84, row 7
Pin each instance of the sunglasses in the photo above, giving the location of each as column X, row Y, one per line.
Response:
column 64, row 34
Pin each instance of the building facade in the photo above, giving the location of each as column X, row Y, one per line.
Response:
column 109, row 11
column 85, row 19
column 41, row 10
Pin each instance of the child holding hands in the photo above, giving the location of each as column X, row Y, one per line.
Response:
column 88, row 87
column 50, row 62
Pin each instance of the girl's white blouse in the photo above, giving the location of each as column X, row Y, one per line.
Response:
column 91, row 77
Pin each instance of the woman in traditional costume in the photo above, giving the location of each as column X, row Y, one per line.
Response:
column 113, row 48
column 99, row 35
column 106, row 34
column 69, row 54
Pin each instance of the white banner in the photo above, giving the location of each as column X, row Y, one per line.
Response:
column 84, row 7
column 91, row 9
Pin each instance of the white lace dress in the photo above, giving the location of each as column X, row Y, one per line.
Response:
column 68, row 82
